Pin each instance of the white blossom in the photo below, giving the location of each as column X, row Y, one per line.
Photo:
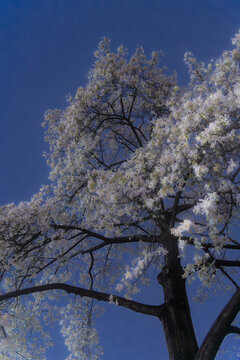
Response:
column 132, row 158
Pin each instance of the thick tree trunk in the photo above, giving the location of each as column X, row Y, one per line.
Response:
column 176, row 319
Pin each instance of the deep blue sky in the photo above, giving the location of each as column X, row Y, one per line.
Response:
column 46, row 50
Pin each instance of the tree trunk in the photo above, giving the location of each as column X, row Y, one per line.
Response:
column 176, row 319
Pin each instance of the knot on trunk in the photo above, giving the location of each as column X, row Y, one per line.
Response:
column 167, row 272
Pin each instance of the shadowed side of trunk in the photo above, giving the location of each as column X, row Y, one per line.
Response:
column 176, row 318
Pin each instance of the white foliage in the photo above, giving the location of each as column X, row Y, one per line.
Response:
column 125, row 146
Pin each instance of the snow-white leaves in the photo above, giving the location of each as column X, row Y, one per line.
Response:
column 76, row 327
column 208, row 205
column 128, row 145
column 139, row 268
column 184, row 227
column 113, row 300
column 232, row 166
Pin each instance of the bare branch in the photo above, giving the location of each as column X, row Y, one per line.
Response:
column 234, row 330
column 219, row 262
column 219, row 329
column 153, row 310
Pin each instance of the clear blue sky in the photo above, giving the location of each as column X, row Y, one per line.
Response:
column 46, row 51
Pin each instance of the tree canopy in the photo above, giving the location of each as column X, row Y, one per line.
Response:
column 141, row 171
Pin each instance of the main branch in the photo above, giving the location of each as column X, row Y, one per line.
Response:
column 153, row 310
column 220, row 328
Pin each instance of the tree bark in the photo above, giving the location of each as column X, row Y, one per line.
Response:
column 176, row 318
column 220, row 328
column 154, row 310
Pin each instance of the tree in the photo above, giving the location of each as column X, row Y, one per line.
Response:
column 141, row 172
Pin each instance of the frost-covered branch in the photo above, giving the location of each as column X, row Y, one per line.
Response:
column 139, row 171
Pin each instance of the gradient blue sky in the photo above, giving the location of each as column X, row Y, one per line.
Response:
column 46, row 50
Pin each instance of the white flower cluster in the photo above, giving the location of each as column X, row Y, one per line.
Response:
column 184, row 227
column 203, row 268
column 207, row 206
column 136, row 271
column 80, row 337
column 127, row 145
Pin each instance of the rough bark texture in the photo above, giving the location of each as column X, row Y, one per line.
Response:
column 176, row 319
